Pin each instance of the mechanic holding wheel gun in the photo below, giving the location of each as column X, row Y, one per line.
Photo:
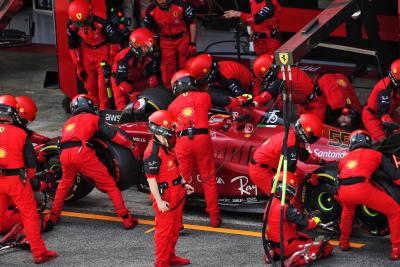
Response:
column 264, row 21
column 264, row 163
column 167, row 187
column 174, row 22
column 17, row 167
column 293, row 219
column 27, row 113
column 355, row 171
column 193, row 144
column 77, row 155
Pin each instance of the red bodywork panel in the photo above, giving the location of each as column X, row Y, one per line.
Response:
column 233, row 148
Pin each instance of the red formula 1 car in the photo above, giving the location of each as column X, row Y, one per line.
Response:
column 236, row 134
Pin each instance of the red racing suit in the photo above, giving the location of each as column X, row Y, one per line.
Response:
column 265, row 160
column 382, row 103
column 236, row 78
column 172, row 27
column 355, row 171
column 337, row 93
column 305, row 95
column 160, row 163
column 78, row 156
column 191, row 111
column 16, row 156
column 89, row 46
column 293, row 220
column 264, row 21
column 130, row 76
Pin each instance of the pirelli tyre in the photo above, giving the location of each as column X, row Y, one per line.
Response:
column 321, row 197
column 150, row 100
column 120, row 162
column 371, row 221
column 80, row 189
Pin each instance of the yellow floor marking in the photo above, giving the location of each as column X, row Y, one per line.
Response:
column 150, row 230
column 187, row 226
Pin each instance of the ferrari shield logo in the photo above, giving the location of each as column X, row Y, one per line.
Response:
column 78, row 16
column 2, row 129
column 3, row 153
column 284, row 58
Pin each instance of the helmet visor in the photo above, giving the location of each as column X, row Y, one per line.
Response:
column 160, row 130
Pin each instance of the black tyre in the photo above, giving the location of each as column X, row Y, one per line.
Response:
column 321, row 198
column 81, row 187
column 120, row 163
column 149, row 100
column 372, row 221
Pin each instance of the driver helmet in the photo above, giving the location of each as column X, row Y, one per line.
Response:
column 291, row 186
column 203, row 67
column 394, row 73
column 82, row 103
column 309, row 128
column 162, row 123
column 27, row 108
column 359, row 139
column 183, row 81
column 80, row 13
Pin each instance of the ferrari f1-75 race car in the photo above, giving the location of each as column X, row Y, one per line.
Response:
column 236, row 134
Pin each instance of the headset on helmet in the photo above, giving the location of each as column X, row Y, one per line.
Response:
column 162, row 123
column 291, row 185
column 80, row 13
column 183, row 81
column 309, row 128
column 203, row 67
column 394, row 73
column 9, row 114
column 27, row 108
column 359, row 139
column 82, row 103
column 142, row 42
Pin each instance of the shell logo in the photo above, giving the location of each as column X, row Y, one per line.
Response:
column 170, row 163
column 165, row 122
column 308, row 129
column 292, row 182
column 348, row 101
column 205, row 70
column 78, row 16
column 3, row 153
column 263, row 69
column 2, row 129
column 351, row 164
column 341, row 83
column 187, row 112
column 394, row 71
column 70, row 127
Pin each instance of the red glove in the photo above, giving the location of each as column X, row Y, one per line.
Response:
column 313, row 222
column 242, row 99
column 192, row 49
column 234, row 103
column 262, row 99
column 152, row 81
column 388, row 122
column 396, row 182
column 314, row 179
column 136, row 152
column 49, row 220
column 38, row 138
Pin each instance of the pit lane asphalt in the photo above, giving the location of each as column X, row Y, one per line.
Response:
column 88, row 242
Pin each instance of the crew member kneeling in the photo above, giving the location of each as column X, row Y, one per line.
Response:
column 355, row 171
column 167, row 189
column 293, row 220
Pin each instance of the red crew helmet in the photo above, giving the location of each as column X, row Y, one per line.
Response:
column 142, row 41
column 394, row 73
column 9, row 100
column 162, row 123
column 309, row 128
column 183, row 81
column 27, row 108
column 359, row 139
column 262, row 65
column 80, row 13
column 203, row 67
